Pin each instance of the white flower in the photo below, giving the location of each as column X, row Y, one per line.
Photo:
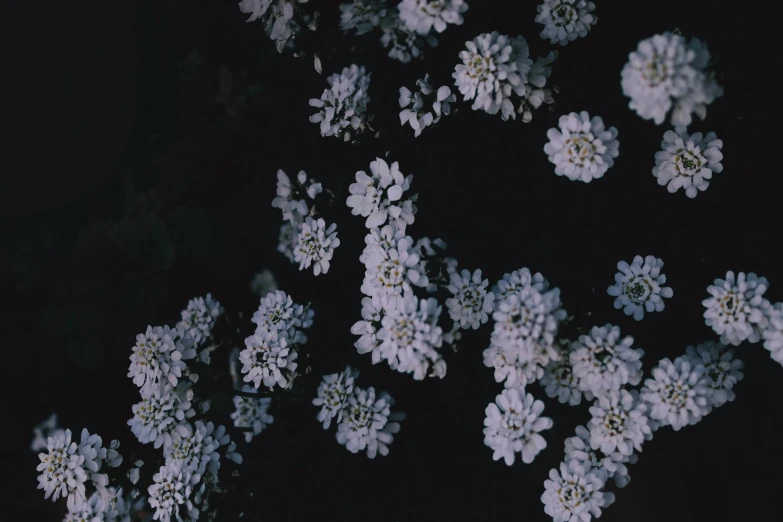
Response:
column 170, row 494
column 773, row 333
column 43, row 431
column 333, row 393
column 513, row 425
column 343, row 106
column 277, row 312
column 157, row 416
column 287, row 239
column 251, row 412
column 721, row 369
column 62, row 470
column 410, row 336
column 373, row 310
column 263, row 282
column 619, row 423
column 425, row 107
column 366, row 423
column 638, row 286
column 268, row 358
column 559, row 380
column 574, row 493
column 687, row 161
column 134, row 474
column 677, row 394
column 422, row 15
column 376, row 197
column 535, row 94
column 199, row 318
column 517, row 280
column 565, row 20
column 603, row 362
column 390, row 273
column 737, row 309
column 315, row 245
column 94, row 509
column 403, row 43
column 666, row 72
column 159, row 357
column 362, row 15
column 280, row 25
column 291, row 197
column 608, row 466
column 583, row 149
column 472, row 304
column 255, row 8
column 195, row 450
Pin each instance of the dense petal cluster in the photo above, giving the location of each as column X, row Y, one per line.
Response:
column 638, row 286
column 368, row 422
column 391, row 267
column 558, row 379
column 619, row 423
column 583, row 149
column 268, row 358
column 277, row 312
column 422, row 16
column 574, row 492
column 157, row 416
column 603, row 362
column 315, row 245
column 677, row 394
column 494, row 67
column 378, row 197
column 472, row 304
column 688, row 161
column 736, row 309
column 565, row 20
column 373, row 310
column 362, row 15
column 343, row 106
column 278, row 18
column 158, row 358
column 612, row 465
column 721, row 369
column 667, row 73
column 333, row 394
column 773, row 333
column 516, row 280
column 426, row 106
column 513, row 425
column 199, row 318
column 251, row 412
column 171, row 495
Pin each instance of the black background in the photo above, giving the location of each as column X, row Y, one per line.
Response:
column 104, row 114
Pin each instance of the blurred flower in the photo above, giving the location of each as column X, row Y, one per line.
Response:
column 558, row 379
column 43, row 431
column 362, row 15
column 721, row 369
column 423, row 15
column 687, row 161
column 287, row 239
column 255, row 8
column 607, row 466
column 603, row 362
column 343, row 106
column 403, row 43
column 333, row 393
column 638, row 286
column 513, row 424
column 773, row 333
column 263, row 282
column 583, row 149
column 565, row 20
column 619, row 423
column 251, row 412
column 736, row 309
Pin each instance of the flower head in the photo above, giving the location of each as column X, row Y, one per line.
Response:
column 390, row 273
column 333, row 393
column 171, row 494
column 403, row 43
column 516, row 280
column 472, row 304
column 62, row 470
column 343, row 106
column 565, row 20
column 721, row 369
column 158, row 358
column 286, row 240
column 426, row 106
column 368, row 422
column 583, row 149
column 362, row 15
column 687, row 161
column 157, row 416
column 638, row 286
column 574, row 493
column 423, row 15
column 43, row 431
column 619, row 423
column 379, row 197
column 612, row 465
column 263, row 282
column 373, row 310
column 277, row 312
column 199, row 318
column 603, row 362
column 268, row 358
column 316, row 245
column 513, row 424
column 736, row 308
column 251, row 412
column 677, row 394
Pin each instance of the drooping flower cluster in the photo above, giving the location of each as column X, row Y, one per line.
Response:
column 197, row 321
column 583, row 149
column 278, row 18
column 736, row 309
column 565, row 20
column 638, row 286
column 575, row 492
column 603, row 362
column 425, row 107
column 688, row 161
column 667, row 73
column 677, row 395
column 422, row 16
column 494, row 67
column 773, row 333
column 721, row 369
column 343, row 106
column 513, row 425
column 333, row 394
column 252, row 413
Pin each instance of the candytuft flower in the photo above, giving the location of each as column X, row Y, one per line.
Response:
column 583, row 149
column 362, row 15
column 677, row 394
column 315, row 245
column 472, row 304
column 513, row 423
column 158, row 358
column 379, row 196
column 368, row 423
column 603, row 362
column 199, row 318
column 268, row 358
column 574, row 493
column 565, row 20
column 425, row 107
column 638, row 286
column 333, row 394
column 773, row 333
column 736, row 309
column 687, row 161
column 423, row 15
column 721, row 369
column 619, row 423
column 343, row 106
column 251, row 412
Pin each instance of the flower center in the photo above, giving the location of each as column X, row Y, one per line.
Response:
column 581, row 148
column 655, row 71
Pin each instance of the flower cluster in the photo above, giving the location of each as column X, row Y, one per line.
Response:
column 583, row 149
column 558, row 379
column 197, row 322
column 472, row 304
column 603, row 362
column 619, row 423
column 278, row 18
column 612, row 465
column 638, row 286
column 678, row 393
column 736, row 309
column 423, row 15
column 251, row 413
column 119, row 507
column 667, row 73
column 379, row 197
column 160, row 415
column 575, row 492
column 333, row 393
column 425, row 107
column 343, row 106
column 565, row 20
column 773, row 334
column 315, row 245
column 721, row 369
column 513, row 425
column 494, row 67
column 687, row 161
column 403, row 43
column 362, row 16
column 158, row 359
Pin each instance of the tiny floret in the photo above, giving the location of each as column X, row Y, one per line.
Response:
column 603, row 362
column 368, row 423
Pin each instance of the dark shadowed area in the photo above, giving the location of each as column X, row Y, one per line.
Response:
column 129, row 190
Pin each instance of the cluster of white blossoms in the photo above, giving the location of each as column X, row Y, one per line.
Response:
column 773, row 334
column 379, row 197
column 362, row 16
column 333, row 393
column 425, row 107
column 472, row 304
column 119, row 507
column 527, row 316
column 422, row 16
column 343, row 106
column 158, row 359
column 251, row 413
column 677, row 395
column 583, row 149
column 558, row 379
column 613, row 465
column 198, row 319
column 619, row 423
column 494, row 67
column 721, row 369
column 603, row 362
column 278, row 18
column 638, row 286
column 67, row 468
column 736, row 309
column 403, row 43
column 667, row 73
column 513, row 425
column 565, row 20
column 161, row 414
column 688, row 161
column 304, row 239
column 575, row 492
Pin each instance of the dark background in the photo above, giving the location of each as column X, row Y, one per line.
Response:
column 128, row 191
